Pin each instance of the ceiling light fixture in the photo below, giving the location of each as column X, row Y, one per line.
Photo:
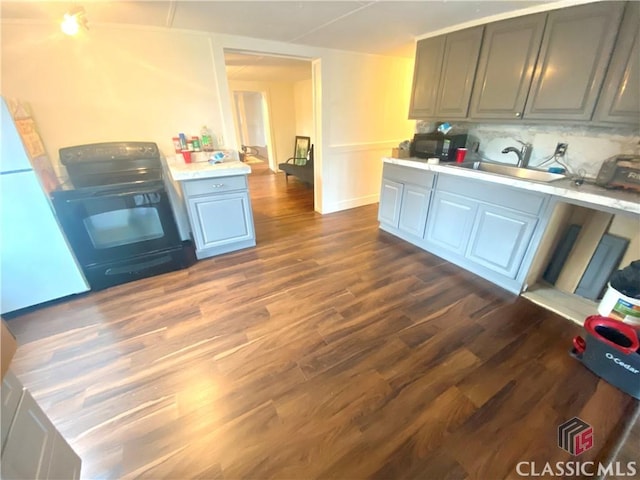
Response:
column 73, row 21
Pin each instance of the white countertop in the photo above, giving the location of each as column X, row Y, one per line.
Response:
column 181, row 171
column 616, row 199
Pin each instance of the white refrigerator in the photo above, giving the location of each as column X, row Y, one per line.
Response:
column 36, row 263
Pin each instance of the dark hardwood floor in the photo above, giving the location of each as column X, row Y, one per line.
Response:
column 331, row 350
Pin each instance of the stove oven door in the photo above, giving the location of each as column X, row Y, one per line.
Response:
column 109, row 224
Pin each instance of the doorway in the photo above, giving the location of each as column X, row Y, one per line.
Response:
column 251, row 120
column 272, row 103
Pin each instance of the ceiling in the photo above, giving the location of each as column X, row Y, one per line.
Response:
column 385, row 27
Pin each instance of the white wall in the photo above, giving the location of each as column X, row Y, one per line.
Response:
column 365, row 110
column 303, row 99
column 126, row 82
column 111, row 84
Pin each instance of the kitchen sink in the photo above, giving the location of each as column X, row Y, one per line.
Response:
column 511, row 171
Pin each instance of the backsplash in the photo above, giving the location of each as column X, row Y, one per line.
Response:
column 588, row 146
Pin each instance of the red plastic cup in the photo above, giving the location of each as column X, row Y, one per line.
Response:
column 187, row 156
column 460, row 154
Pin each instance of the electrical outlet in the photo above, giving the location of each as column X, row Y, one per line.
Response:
column 561, row 149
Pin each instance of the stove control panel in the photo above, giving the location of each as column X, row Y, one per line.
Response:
column 96, row 152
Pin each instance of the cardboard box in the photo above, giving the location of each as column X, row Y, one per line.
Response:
column 399, row 153
column 8, row 347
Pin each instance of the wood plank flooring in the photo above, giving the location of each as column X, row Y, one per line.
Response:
column 331, row 350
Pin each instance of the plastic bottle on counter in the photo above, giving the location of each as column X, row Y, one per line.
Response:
column 207, row 139
column 196, row 143
column 183, row 141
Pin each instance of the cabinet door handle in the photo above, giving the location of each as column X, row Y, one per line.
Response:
column 218, row 185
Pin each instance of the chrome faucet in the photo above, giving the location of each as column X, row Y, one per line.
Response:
column 523, row 154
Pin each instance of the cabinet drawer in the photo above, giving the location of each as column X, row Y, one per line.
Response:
column 520, row 200
column 416, row 176
column 208, row 186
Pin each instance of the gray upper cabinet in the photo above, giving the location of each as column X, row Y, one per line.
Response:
column 429, row 53
column 459, row 64
column 505, row 69
column 573, row 59
column 619, row 101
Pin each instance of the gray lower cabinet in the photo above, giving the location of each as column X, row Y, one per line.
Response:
column 390, row 201
column 404, row 201
column 220, row 214
column 505, row 69
column 450, row 221
column 500, row 238
column 574, row 55
column 413, row 212
column 488, row 235
column 619, row 100
column 32, row 448
column 11, row 394
column 489, row 229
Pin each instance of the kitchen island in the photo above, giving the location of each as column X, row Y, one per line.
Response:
column 501, row 228
column 216, row 197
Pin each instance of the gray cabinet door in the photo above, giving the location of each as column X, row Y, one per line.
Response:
column 413, row 210
column 65, row 463
column 221, row 219
column 390, row 201
column 450, row 221
column 619, row 101
column 458, row 72
column 426, row 75
column 574, row 55
column 505, row 69
column 11, row 394
column 27, row 452
column 500, row 238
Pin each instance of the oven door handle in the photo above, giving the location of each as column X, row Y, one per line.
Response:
column 110, row 195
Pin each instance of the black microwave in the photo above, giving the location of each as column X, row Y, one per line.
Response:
column 437, row 145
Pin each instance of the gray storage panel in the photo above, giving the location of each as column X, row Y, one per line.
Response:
column 605, row 259
column 561, row 254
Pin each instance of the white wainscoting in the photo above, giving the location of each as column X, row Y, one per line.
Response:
column 355, row 172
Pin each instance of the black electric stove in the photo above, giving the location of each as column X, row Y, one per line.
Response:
column 117, row 216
